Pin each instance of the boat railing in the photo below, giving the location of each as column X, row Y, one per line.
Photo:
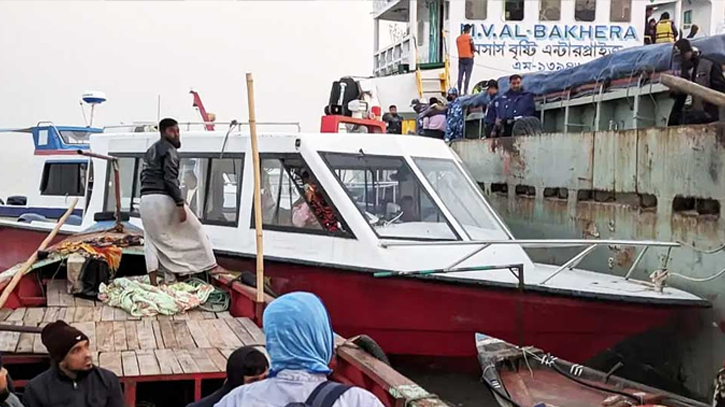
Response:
column 591, row 245
column 189, row 124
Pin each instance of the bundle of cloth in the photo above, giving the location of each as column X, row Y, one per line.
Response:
column 139, row 298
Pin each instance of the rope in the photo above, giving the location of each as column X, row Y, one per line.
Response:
column 430, row 396
column 218, row 300
column 708, row 251
column 700, row 280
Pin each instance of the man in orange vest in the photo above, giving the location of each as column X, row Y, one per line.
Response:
column 466, row 49
column 665, row 30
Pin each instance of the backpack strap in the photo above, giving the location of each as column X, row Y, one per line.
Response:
column 326, row 394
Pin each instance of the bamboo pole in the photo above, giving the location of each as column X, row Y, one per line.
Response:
column 694, row 89
column 29, row 263
column 257, row 188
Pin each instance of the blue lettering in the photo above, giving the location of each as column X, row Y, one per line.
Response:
column 585, row 33
column 519, row 35
column 555, row 33
column 600, row 32
column 631, row 34
column 571, row 32
column 505, row 32
column 615, row 31
column 539, row 31
column 486, row 30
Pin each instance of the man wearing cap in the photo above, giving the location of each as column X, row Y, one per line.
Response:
column 72, row 380
column 7, row 398
column 703, row 71
column 454, row 116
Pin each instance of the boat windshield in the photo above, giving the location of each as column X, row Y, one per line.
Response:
column 461, row 198
column 75, row 136
column 390, row 196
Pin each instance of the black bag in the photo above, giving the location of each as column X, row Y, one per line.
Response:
column 94, row 273
column 324, row 395
column 343, row 92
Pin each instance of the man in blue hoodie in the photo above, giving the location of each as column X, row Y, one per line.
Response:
column 514, row 104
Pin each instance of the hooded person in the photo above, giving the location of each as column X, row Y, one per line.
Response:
column 300, row 343
column 7, row 398
column 245, row 365
column 72, row 379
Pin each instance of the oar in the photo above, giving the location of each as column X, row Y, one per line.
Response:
column 29, row 263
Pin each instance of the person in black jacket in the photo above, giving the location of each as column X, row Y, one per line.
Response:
column 72, row 380
column 245, row 365
column 167, row 222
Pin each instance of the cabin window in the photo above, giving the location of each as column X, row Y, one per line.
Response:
column 222, row 191
column 460, row 196
column 687, row 17
column 293, row 199
column 389, row 196
column 514, row 10
column 75, row 137
column 585, row 10
column 476, row 9
column 64, row 178
column 127, row 170
column 550, row 10
column 621, row 11
column 210, row 187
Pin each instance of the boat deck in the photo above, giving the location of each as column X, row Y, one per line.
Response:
column 186, row 344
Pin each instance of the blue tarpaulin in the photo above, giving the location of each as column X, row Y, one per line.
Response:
column 629, row 62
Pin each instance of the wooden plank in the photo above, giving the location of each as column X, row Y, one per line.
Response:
column 202, row 361
column 188, row 365
column 33, row 316
column 64, row 299
column 98, row 313
column 70, row 314
column 85, row 314
column 167, row 332
column 253, row 330
column 130, row 363
column 120, row 314
column 196, row 315
column 224, row 314
column 83, row 302
column 131, row 335
column 119, row 336
column 17, row 315
column 104, row 336
column 53, row 293
column 51, row 314
column 107, row 313
column 158, row 336
column 88, row 328
column 226, row 352
column 244, row 336
column 217, row 358
column 208, row 315
column 62, row 312
column 183, row 335
column 197, row 332
column 38, row 346
column 212, row 334
column 226, row 334
column 182, row 317
column 112, row 362
column 145, row 332
column 25, row 342
column 147, row 363
column 168, row 362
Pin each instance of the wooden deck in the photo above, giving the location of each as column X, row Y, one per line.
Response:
column 191, row 343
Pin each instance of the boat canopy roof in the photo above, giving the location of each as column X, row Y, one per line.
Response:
column 48, row 137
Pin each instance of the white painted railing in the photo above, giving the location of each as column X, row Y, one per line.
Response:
column 387, row 61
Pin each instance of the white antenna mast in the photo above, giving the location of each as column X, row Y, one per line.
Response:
column 93, row 98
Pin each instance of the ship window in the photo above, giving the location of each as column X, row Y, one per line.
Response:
column 75, row 137
column 687, row 17
column 192, row 183
column 621, row 11
column 550, row 10
column 514, row 10
column 460, row 196
column 222, row 190
column 293, row 199
column 127, row 170
column 476, row 9
column 585, row 10
column 64, row 178
column 389, row 196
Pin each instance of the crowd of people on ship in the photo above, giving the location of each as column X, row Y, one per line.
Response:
column 295, row 372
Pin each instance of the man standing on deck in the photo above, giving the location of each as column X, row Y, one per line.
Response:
column 72, row 380
column 514, row 104
column 174, row 241
column 665, row 31
column 466, row 49
column 393, row 120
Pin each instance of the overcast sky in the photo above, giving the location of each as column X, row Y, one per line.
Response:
column 52, row 51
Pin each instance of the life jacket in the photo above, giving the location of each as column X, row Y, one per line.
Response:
column 463, row 42
column 664, row 32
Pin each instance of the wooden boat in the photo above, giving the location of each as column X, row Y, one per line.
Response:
column 420, row 281
column 163, row 360
column 527, row 376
